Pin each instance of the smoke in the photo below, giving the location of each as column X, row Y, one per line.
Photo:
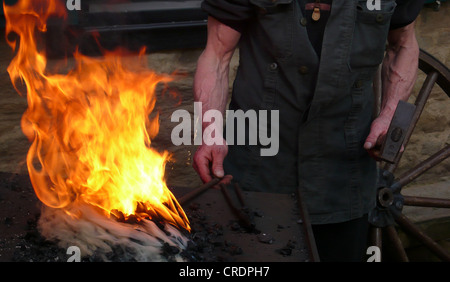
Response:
column 106, row 239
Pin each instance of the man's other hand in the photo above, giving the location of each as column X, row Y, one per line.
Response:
column 377, row 136
column 208, row 162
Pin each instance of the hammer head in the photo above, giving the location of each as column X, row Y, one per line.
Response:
column 397, row 131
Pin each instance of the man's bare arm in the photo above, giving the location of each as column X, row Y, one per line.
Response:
column 211, row 78
column 211, row 89
column 399, row 73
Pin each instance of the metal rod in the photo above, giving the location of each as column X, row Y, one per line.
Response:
column 242, row 217
column 416, row 171
column 194, row 193
column 426, row 202
column 409, row 227
column 393, row 236
column 239, row 193
column 420, row 102
column 376, row 237
column 310, row 240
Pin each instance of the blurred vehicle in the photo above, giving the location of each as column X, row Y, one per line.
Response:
column 156, row 24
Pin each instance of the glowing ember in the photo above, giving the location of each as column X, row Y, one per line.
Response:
column 90, row 128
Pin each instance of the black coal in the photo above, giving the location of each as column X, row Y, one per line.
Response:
column 21, row 241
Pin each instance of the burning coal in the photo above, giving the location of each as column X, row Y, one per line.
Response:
column 90, row 159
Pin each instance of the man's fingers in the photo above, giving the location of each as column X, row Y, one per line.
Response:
column 373, row 139
column 217, row 162
column 377, row 134
column 225, row 180
column 217, row 166
column 201, row 165
column 208, row 162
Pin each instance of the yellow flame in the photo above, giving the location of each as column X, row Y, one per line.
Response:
column 90, row 128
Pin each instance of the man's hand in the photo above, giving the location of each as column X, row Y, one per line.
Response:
column 211, row 85
column 377, row 135
column 398, row 75
column 208, row 162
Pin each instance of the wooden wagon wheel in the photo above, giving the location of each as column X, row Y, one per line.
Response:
column 390, row 201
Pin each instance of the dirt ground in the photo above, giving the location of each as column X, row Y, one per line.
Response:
column 433, row 131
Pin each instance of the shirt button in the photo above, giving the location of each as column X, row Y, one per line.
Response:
column 303, row 70
column 303, row 21
column 273, row 66
column 379, row 18
column 358, row 83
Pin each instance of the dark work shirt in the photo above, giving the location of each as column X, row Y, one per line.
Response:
column 236, row 13
column 316, row 28
column 406, row 12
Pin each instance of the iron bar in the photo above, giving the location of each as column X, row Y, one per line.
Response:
column 395, row 240
column 242, row 217
column 420, row 102
column 239, row 193
column 409, row 227
column 426, row 202
column 416, row 171
column 194, row 193
column 376, row 236
column 310, row 241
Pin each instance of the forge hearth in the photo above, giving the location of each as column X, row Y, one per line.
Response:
column 267, row 228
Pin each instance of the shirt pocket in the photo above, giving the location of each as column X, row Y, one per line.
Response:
column 274, row 26
column 370, row 34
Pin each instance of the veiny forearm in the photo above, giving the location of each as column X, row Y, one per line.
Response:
column 399, row 69
column 211, row 81
column 211, row 89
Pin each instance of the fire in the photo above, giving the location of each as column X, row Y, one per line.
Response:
column 90, row 128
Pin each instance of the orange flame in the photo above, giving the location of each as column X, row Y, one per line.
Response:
column 90, row 128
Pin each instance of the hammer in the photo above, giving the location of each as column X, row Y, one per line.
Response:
column 397, row 131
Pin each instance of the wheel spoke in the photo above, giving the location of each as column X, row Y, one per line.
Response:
column 409, row 227
column 397, row 243
column 419, row 169
column 436, row 73
column 426, row 202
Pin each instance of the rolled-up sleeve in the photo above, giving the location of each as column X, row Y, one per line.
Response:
column 406, row 12
column 233, row 13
